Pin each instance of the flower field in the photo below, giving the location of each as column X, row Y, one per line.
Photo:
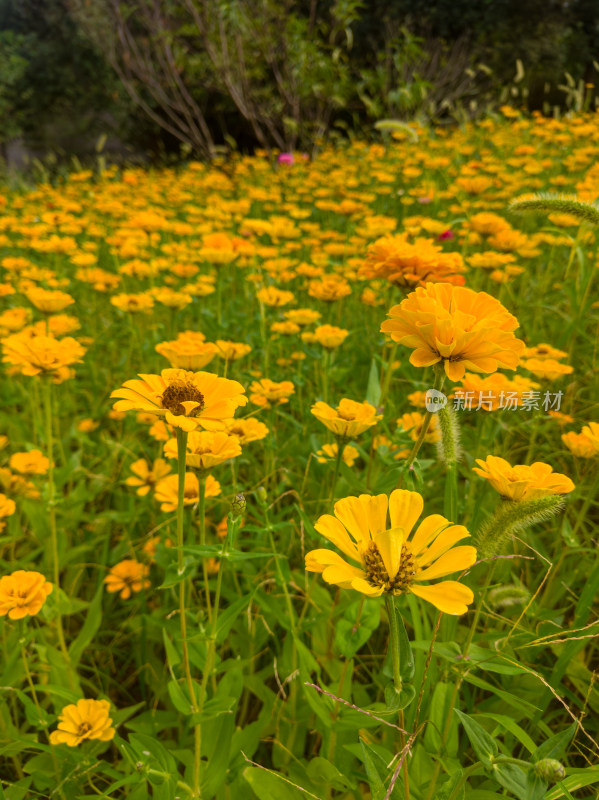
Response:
column 298, row 473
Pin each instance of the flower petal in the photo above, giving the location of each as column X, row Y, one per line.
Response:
column 362, row 585
column 444, row 541
column 429, row 528
column 455, row 560
column 450, row 597
column 330, row 527
column 352, row 512
column 389, row 544
column 404, row 509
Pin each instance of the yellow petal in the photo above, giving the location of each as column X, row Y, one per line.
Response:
column 444, row 541
column 361, row 585
column 342, row 575
column 377, row 513
column 389, row 545
column 404, row 509
column 319, row 560
column 450, row 597
column 429, row 528
column 352, row 512
column 424, row 358
column 455, row 370
column 455, row 560
column 330, row 527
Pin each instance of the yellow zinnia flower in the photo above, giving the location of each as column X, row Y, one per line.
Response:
column 187, row 400
column 329, row 336
column 47, row 301
column 34, row 462
column 188, row 354
column 584, row 444
column 166, row 492
column 390, row 561
column 23, row 593
column 266, row 392
column 522, row 482
column 127, row 576
column 247, row 430
column 206, row 449
column 41, row 355
column 349, row 419
column 86, row 719
column 146, row 477
column 461, row 328
column 329, row 452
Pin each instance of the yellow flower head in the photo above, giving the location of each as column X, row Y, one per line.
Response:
column 271, row 296
column 33, row 462
column 187, row 400
column 456, row 326
column 133, row 303
column 42, row 355
column 247, row 430
column 206, row 449
column 23, row 593
column 584, row 444
column 189, row 354
column 395, row 259
column 329, row 288
column 329, row 452
column 145, row 477
column 547, row 368
column 303, row 316
column 86, row 719
column 389, row 559
column 522, row 482
column 349, row 419
column 127, row 576
column 48, row 301
column 330, row 336
column 412, row 421
column 231, row 351
column 266, row 392
column 166, row 492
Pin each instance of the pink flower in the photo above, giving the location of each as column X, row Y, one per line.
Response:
column 285, row 158
column 445, row 235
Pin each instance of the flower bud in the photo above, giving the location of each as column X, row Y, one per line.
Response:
column 238, row 505
column 261, row 495
column 550, row 770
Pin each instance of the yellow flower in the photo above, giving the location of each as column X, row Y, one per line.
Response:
column 543, row 351
column 584, row 444
column 329, row 452
column 389, row 560
column 329, row 289
column 247, row 430
column 329, row 336
column 266, row 392
column 133, row 303
column 30, row 463
column 86, row 719
column 127, row 576
column 189, row 354
column 303, row 316
column 206, row 449
column 42, row 355
column 187, row 400
column 271, row 296
column 231, row 351
column 23, row 593
column 522, row 482
column 166, row 492
column 349, row 419
column 547, row 368
column 454, row 325
column 47, row 301
column 411, row 423
column 87, row 425
column 286, row 328
column 395, row 259
column 147, row 477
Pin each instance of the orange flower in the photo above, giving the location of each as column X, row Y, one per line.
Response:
column 86, row 719
column 42, row 355
column 23, row 593
column 47, row 301
column 127, row 576
column 266, row 392
column 206, row 449
column 461, row 328
column 522, row 482
column 349, row 419
column 31, row 463
column 190, row 354
column 166, row 492
column 404, row 264
column 147, row 477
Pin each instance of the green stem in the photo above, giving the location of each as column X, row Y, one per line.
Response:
column 394, row 642
column 202, row 513
column 438, row 385
column 181, row 461
column 47, row 392
column 340, row 449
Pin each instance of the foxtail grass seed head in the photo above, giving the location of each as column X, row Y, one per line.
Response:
column 448, row 447
column 512, row 517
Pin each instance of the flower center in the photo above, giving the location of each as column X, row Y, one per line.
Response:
column 180, row 392
column 377, row 572
column 84, row 729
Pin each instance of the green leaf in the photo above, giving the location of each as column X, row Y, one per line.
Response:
column 513, row 778
column 555, row 747
column 377, row 787
column 535, row 786
column 396, row 701
column 511, row 726
column 268, row 785
column 90, row 627
column 373, row 390
column 577, row 779
column 322, row 772
column 483, row 745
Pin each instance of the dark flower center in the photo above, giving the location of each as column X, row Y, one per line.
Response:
column 84, row 729
column 377, row 572
column 177, row 393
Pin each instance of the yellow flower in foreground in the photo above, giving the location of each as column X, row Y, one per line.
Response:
column 86, row 719
column 35, row 355
column 349, row 419
column 33, row 462
column 389, row 560
column 522, row 482
column 187, row 400
column 127, row 576
column 23, row 593
column 206, row 449
column 146, row 477
column 463, row 329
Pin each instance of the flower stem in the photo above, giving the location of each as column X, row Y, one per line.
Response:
column 47, row 393
column 202, row 513
column 438, row 385
column 181, row 459
column 394, row 643
column 340, row 449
